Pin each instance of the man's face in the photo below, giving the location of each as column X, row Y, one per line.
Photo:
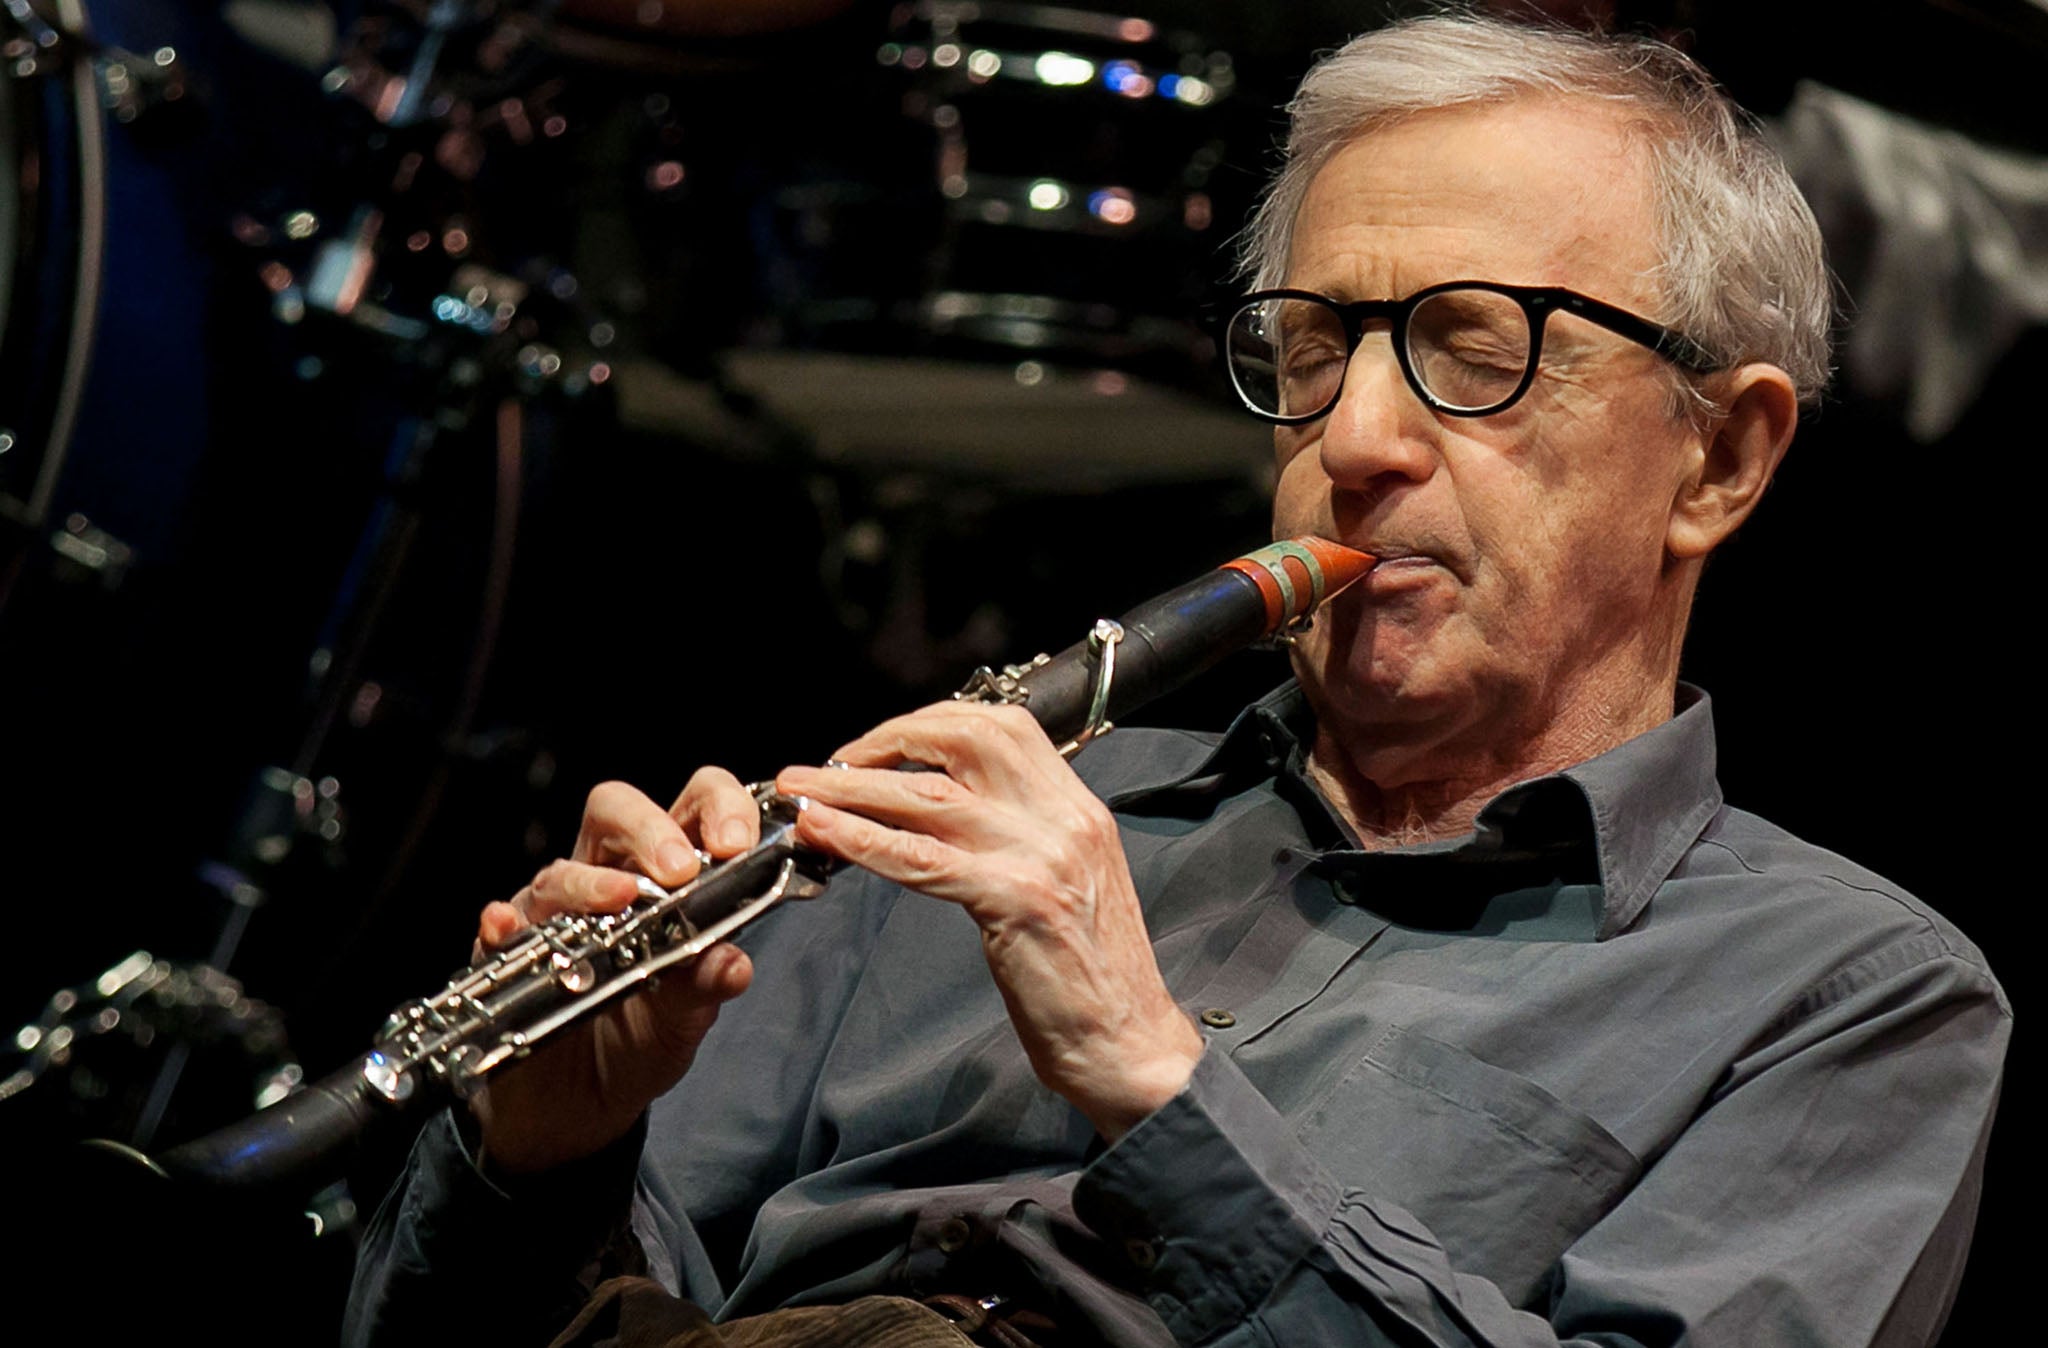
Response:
column 1523, row 585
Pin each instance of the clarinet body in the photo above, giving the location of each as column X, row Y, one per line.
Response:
column 444, row 1046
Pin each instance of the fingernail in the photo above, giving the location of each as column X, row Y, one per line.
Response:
column 673, row 858
column 732, row 834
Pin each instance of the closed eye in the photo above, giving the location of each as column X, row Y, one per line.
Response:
column 1302, row 360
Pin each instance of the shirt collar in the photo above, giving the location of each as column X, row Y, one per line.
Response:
column 1650, row 798
column 1640, row 805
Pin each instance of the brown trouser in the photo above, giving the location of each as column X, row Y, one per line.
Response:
column 638, row 1313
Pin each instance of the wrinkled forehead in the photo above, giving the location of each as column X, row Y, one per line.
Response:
column 1535, row 192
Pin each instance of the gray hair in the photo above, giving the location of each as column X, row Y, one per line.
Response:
column 1743, row 273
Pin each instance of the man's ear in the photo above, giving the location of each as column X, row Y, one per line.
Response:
column 1739, row 450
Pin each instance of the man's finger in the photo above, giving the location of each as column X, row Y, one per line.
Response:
column 575, row 887
column 979, row 745
column 720, row 811
column 622, row 827
column 498, row 923
column 915, row 860
column 929, row 802
column 721, row 973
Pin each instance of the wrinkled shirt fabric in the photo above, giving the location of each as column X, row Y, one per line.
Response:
column 1623, row 1065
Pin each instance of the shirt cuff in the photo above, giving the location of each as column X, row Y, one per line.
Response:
column 558, row 1218
column 1211, row 1198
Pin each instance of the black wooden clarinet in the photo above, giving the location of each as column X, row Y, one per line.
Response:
column 444, row 1046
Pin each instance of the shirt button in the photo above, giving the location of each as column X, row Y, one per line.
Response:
column 953, row 1236
column 1216, row 1018
column 1143, row 1254
column 1349, row 887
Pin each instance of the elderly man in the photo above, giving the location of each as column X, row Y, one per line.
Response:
column 1441, row 1000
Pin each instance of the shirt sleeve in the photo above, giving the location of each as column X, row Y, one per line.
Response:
column 675, row 1197
column 1824, row 1196
column 449, row 1246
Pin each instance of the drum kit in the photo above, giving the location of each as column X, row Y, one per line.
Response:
column 881, row 288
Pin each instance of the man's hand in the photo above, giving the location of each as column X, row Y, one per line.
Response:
column 1005, row 829
column 584, row 1088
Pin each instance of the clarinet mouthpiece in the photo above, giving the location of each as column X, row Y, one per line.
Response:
column 1297, row 574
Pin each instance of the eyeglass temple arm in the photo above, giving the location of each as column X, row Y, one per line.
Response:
column 1673, row 345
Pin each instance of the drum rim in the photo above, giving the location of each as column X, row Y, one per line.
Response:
column 53, row 417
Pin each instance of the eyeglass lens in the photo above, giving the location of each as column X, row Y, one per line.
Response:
column 1469, row 349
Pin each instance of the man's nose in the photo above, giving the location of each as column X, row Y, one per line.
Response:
column 1380, row 427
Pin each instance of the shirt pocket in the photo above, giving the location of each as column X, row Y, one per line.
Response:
column 1502, row 1172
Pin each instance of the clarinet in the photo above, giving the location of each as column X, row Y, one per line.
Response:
column 445, row 1046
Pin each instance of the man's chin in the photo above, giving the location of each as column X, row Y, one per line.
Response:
column 1379, row 698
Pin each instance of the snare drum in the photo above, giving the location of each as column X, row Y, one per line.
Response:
column 1054, row 200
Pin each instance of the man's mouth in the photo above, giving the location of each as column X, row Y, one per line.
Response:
column 1397, row 567
column 1396, row 554
column 1395, row 558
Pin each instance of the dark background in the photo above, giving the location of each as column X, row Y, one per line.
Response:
column 704, row 583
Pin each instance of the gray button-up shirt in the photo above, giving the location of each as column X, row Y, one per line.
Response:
column 1622, row 1066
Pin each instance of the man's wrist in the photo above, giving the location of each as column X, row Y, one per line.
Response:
column 516, row 1181
column 469, row 1135
column 1145, row 1085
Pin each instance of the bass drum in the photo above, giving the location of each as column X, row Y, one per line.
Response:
column 102, row 293
column 104, row 414
column 52, row 226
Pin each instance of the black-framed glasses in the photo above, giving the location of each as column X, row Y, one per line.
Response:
column 1467, row 348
